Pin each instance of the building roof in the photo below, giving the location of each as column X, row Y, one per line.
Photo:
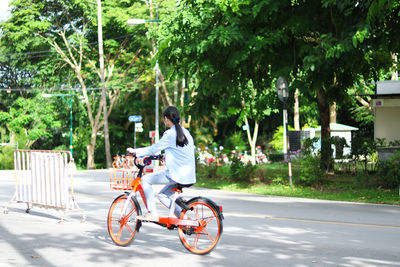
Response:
column 337, row 127
column 391, row 87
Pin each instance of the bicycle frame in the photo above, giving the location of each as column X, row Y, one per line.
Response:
column 169, row 221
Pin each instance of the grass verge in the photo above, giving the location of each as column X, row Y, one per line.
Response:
column 336, row 188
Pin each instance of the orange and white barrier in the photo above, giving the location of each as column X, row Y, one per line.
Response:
column 44, row 178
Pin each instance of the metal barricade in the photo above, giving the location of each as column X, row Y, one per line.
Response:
column 44, row 178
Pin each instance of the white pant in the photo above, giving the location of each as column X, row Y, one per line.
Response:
column 164, row 195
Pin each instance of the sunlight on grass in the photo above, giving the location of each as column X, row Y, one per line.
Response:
column 339, row 192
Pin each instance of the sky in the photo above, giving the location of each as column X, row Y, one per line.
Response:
column 4, row 10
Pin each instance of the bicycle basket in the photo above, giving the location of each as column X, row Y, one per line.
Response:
column 121, row 179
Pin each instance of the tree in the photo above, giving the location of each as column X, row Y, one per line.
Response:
column 336, row 51
column 28, row 120
column 67, row 28
column 224, row 45
column 218, row 44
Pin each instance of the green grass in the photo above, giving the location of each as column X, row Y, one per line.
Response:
column 272, row 180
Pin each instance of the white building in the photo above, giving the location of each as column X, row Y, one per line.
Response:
column 387, row 110
column 386, row 107
column 337, row 129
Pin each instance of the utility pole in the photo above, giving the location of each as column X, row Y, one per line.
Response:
column 103, row 86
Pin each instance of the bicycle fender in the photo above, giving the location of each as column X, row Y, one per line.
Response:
column 212, row 203
column 139, row 223
column 183, row 204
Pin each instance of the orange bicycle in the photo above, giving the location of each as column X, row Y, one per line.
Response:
column 199, row 224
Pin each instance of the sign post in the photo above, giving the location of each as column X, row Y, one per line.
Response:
column 137, row 126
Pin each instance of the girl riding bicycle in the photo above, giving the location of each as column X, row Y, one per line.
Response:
column 178, row 146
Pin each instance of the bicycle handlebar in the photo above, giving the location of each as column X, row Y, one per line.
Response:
column 146, row 160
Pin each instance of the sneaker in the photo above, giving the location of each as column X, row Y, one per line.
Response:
column 150, row 216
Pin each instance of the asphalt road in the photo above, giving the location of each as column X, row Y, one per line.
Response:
column 258, row 231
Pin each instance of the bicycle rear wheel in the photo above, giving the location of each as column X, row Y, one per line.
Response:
column 201, row 239
column 122, row 227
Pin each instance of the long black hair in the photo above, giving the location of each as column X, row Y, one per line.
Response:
column 172, row 113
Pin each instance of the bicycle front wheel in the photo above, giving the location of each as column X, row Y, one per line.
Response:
column 203, row 238
column 122, row 225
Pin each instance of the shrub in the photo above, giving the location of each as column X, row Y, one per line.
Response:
column 223, row 172
column 276, row 157
column 240, row 171
column 340, row 143
column 389, row 171
column 235, row 142
column 277, row 140
column 363, row 148
column 394, row 143
column 309, row 145
column 310, row 171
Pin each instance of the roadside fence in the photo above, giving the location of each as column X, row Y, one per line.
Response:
column 44, row 178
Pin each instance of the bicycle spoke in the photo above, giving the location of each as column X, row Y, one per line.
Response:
column 120, row 232
column 113, row 219
column 196, row 213
column 130, row 213
column 207, row 220
column 196, row 240
column 210, row 237
column 129, row 228
column 122, row 205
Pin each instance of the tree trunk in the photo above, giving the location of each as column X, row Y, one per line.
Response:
column 103, row 86
column 296, row 110
column 182, row 102
column 90, row 150
column 326, row 150
column 175, row 92
column 332, row 113
column 252, row 140
column 395, row 75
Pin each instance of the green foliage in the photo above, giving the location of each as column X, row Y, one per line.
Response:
column 65, row 35
column 339, row 143
column 29, row 117
column 81, row 140
column 229, row 52
column 309, row 145
column 394, row 143
column 360, row 109
column 212, row 43
column 381, row 142
column 6, row 158
column 239, row 48
column 277, row 141
column 310, row 171
column 363, row 148
column 240, row 171
column 235, row 142
column 276, row 157
column 389, row 171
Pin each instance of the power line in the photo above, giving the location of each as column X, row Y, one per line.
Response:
column 44, row 89
column 52, row 51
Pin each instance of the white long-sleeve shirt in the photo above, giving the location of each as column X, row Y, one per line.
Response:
column 180, row 161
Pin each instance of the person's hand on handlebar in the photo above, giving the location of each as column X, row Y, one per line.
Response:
column 130, row 151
